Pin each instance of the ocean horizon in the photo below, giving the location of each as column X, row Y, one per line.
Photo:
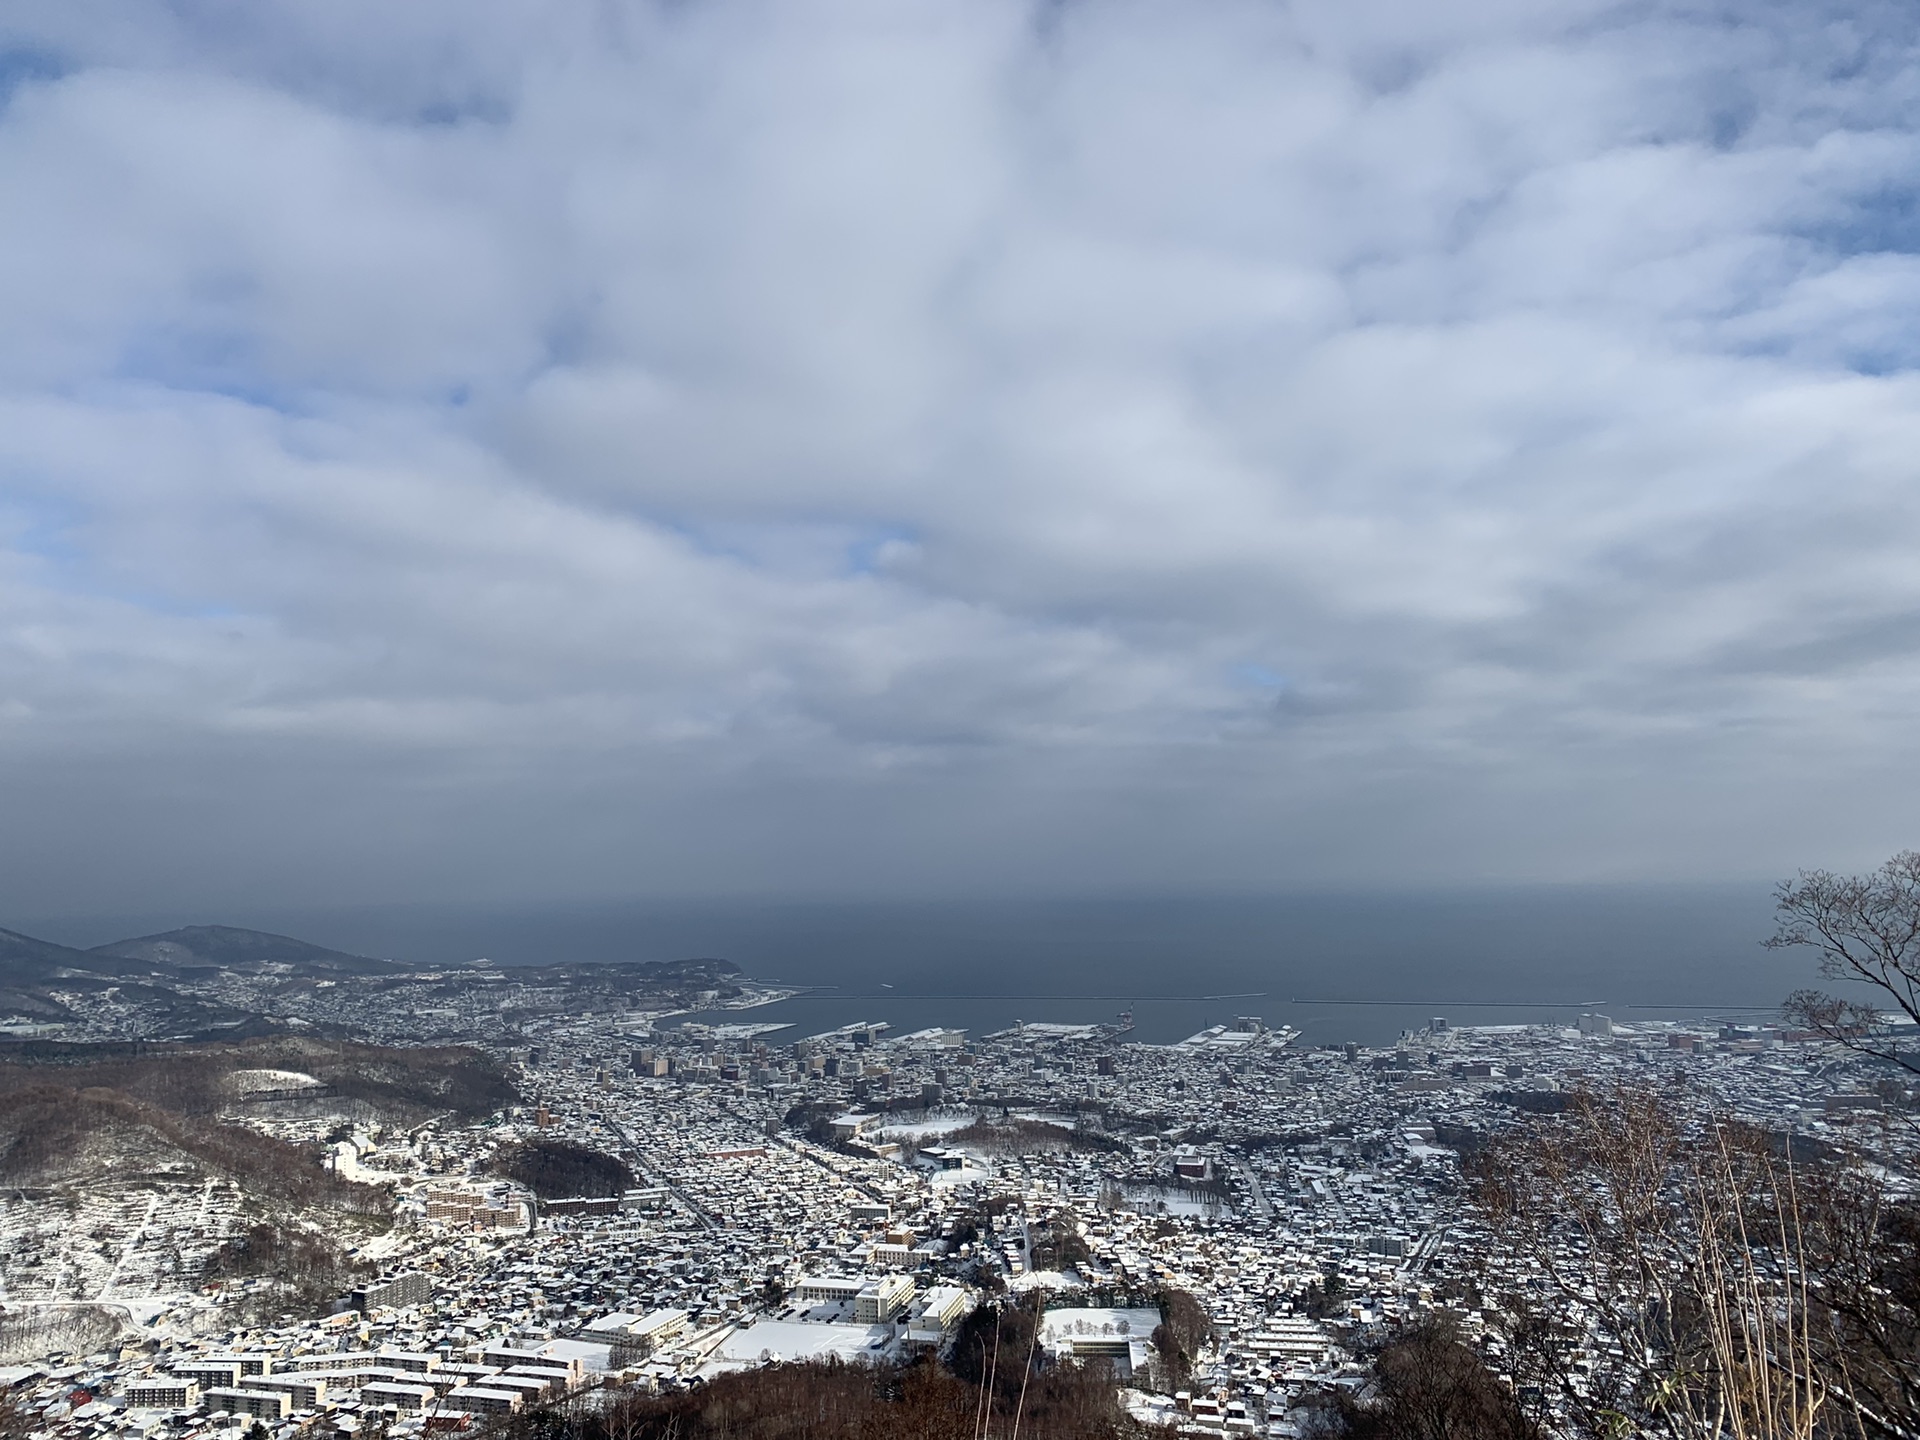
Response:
column 1339, row 967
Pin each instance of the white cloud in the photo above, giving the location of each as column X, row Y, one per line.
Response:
column 1033, row 445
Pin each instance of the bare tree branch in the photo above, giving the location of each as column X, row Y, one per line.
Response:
column 1865, row 929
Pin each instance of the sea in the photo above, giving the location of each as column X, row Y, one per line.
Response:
column 1338, row 967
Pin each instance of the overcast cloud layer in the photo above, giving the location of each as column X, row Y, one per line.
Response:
column 465, row 448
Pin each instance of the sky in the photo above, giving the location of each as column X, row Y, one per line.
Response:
column 469, row 450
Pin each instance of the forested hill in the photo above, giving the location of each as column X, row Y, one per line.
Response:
column 228, row 947
column 25, row 960
column 227, row 983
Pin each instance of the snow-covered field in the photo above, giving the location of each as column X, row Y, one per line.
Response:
column 113, row 1243
column 252, row 1082
column 943, row 1122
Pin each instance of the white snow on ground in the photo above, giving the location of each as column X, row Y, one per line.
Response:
column 940, row 1124
column 792, row 1340
column 1046, row 1280
column 246, row 1082
column 1061, row 1326
column 392, row 1242
column 118, row 1243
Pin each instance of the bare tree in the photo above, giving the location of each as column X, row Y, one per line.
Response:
column 627, row 1353
column 1862, row 1258
column 1864, row 929
column 1681, row 1295
column 1429, row 1385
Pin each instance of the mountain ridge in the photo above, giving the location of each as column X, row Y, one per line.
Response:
column 223, row 982
column 235, row 948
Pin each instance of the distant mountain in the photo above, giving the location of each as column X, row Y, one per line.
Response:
column 25, row 960
column 227, row 947
column 222, row 982
column 29, row 966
